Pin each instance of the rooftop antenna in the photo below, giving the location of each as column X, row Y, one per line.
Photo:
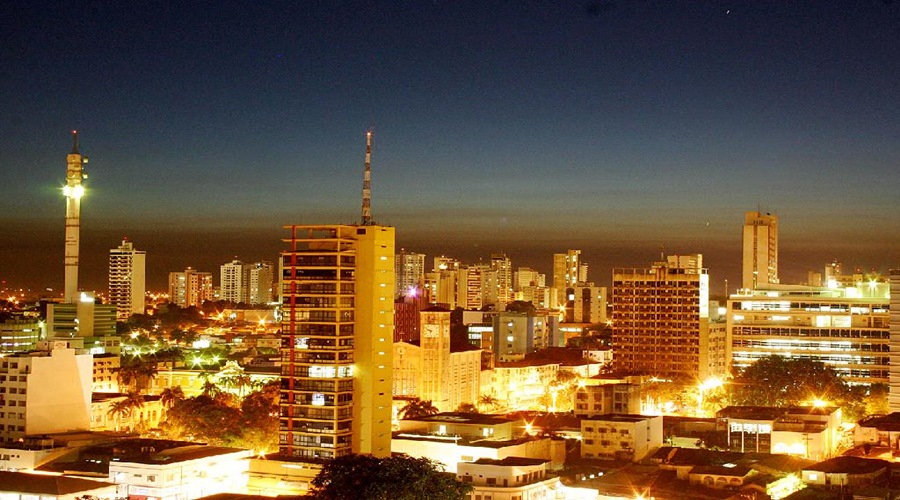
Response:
column 367, row 183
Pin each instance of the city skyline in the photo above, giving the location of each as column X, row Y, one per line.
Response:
column 622, row 129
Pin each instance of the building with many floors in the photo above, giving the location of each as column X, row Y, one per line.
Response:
column 661, row 319
column 127, row 281
column 847, row 328
column 759, row 266
column 337, row 333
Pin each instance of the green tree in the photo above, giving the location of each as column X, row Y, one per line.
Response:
column 778, row 381
column 417, row 408
column 204, row 419
column 398, row 477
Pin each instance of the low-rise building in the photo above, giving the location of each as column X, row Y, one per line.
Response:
column 22, row 485
column 108, row 413
column 182, row 473
column 43, row 392
column 602, row 396
column 516, row 478
column 847, row 473
column 804, row 431
column 105, row 373
column 621, row 437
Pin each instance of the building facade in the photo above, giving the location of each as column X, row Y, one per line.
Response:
column 337, row 330
column 127, row 279
column 410, row 270
column 661, row 319
column 760, row 250
column 847, row 329
column 190, row 287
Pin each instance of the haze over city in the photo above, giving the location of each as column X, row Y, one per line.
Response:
column 621, row 128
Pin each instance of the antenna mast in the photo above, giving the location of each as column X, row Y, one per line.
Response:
column 367, row 183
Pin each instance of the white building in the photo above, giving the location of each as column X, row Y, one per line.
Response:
column 847, row 329
column 232, row 282
column 517, row 478
column 45, row 392
column 127, row 281
column 621, row 437
column 182, row 473
column 190, row 287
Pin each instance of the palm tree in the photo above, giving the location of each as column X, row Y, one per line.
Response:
column 210, row 389
column 126, row 407
column 417, row 408
column 489, row 401
column 170, row 396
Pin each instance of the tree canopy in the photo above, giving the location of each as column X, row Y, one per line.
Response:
column 779, row 381
column 398, row 477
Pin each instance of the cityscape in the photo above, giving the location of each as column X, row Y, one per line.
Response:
column 487, row 313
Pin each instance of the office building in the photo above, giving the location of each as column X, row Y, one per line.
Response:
column 337, row 331
column 19, row 334
column 127, row 282
column 760, row 250
column 847, row 329
column 661, row 319
column 81, row 320
column 190, row 287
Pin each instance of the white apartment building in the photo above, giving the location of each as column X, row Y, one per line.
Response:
column 44, row 392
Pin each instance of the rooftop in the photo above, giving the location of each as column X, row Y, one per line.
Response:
column 850, row 465
column 511, row 461
column 464, row 418
column 617, row 417
column 42, row 484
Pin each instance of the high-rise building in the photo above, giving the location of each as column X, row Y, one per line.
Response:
column 127, row 282
column 233, row 282
column 190, row 287
column 661, row 319
column 410, row 269
column 760, row 254
column 261, row 277
column 566, row 268
column 501, row 264
column 846, row 328
column 894, row 394
column 337, row 333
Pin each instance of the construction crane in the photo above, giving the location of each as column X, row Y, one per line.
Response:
column 367, row 183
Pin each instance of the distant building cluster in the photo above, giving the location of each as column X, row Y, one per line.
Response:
column 496, row 372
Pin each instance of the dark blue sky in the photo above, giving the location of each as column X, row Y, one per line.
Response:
column 618, row 127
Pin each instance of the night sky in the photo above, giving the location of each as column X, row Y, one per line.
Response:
column 622, row 128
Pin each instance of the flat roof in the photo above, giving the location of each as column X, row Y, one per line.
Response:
column 511, row 461
column 464, row 418
column 616, row 417
column 43, row 484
